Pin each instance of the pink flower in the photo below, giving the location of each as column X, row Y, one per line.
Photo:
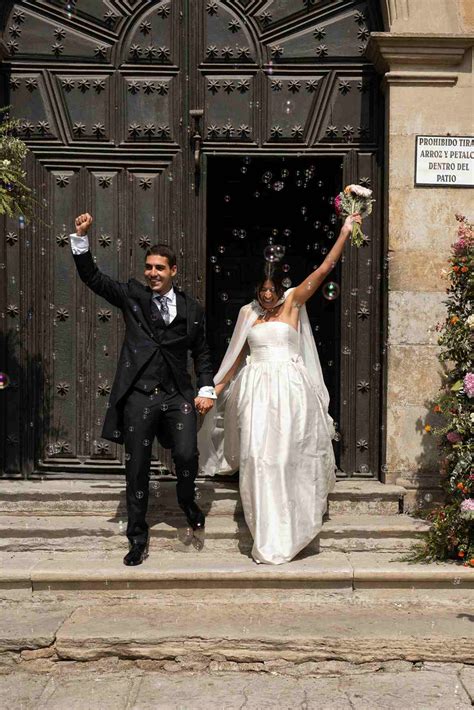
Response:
column 469, row 384
column 459, row 246
column 453, row 437
column 467, row 504
column 337, row 204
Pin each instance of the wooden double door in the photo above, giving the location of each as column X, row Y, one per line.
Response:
column 216, row 127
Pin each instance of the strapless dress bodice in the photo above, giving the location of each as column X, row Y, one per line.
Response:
column 274, row 341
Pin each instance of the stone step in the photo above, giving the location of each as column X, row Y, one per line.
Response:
column 76, row 532
column 221, row 576
column 260, row 632
column 199, row 636
column 107, row 497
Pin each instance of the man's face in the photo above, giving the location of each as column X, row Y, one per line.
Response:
column 159, row 274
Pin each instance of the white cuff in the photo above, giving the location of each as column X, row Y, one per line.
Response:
column 79, row 245
column 208, row 392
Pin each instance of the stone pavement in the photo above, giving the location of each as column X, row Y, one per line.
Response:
column 324, row 686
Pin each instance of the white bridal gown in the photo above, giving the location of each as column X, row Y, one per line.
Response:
column 278, row 433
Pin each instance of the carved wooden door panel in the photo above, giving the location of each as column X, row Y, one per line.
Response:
column 99, row 87
column 292, row 107
column 104, row 90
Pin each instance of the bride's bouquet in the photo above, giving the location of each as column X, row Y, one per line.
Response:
column 354, row 198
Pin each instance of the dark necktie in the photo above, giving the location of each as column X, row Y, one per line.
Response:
column 162, row 303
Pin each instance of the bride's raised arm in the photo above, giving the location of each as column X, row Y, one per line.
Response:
column 310, row 285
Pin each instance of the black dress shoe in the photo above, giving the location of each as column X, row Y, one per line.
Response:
column 137, row 553
column 194, row 515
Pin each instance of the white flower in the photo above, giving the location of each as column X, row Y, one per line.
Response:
column 7, row 162
column 470, row 322
column 360, row 191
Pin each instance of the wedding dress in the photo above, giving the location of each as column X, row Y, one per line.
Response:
column 272, row 424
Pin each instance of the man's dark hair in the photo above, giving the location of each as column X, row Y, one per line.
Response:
column 162, row 250
column 271, row 272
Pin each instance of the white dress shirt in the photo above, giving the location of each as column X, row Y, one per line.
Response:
column 80, row 245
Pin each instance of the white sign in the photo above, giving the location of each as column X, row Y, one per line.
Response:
column 444, row 161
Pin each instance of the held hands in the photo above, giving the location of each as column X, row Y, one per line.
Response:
column 203, row 404
column 83, row 223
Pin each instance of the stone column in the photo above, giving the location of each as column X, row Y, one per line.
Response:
column 428, row 87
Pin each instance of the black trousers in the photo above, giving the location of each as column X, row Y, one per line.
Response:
column 175, row 419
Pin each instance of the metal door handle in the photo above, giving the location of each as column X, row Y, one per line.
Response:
column 196, row 138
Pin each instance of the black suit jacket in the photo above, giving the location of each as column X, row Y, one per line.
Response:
column 139, row 343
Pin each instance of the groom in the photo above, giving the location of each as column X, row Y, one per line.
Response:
column 152, row 394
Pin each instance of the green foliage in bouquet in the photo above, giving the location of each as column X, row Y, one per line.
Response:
column 452, row 524
column 15, row 197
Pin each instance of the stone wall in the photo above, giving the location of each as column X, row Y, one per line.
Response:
column 428, row 83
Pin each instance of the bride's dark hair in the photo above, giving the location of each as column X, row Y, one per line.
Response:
column 271, row 272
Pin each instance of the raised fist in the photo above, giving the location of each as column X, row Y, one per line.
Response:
column 83, row 223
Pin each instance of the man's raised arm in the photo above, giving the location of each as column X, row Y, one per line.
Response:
column 113, row 291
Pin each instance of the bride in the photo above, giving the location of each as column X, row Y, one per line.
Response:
column 271, row 421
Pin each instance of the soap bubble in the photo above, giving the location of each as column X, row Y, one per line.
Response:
column 116, row 434
column 242, row 234
column 221, row 249
column 186, row 408
column 146, row 411
column 256, row 194
column 243, row 169
column 180, row 426
column 21, row 222
column 228, row 322
column 304, row 210
column 284, row 173
column 286, row 232
column 278, row 185
column 286, row 283
column 226, row 198
column 146, row 442
column 4, row 381
column 428, row 497
column 273, row 252
column 217, row 269
column 139, row 495
column 235, row 232
column 317, row 224
column 364, row 468
column 224, row 296
column 128, row 457
column 286, row 268
column 266, row 177
column 331, row 291
column 213, row 259
column 164, row 407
